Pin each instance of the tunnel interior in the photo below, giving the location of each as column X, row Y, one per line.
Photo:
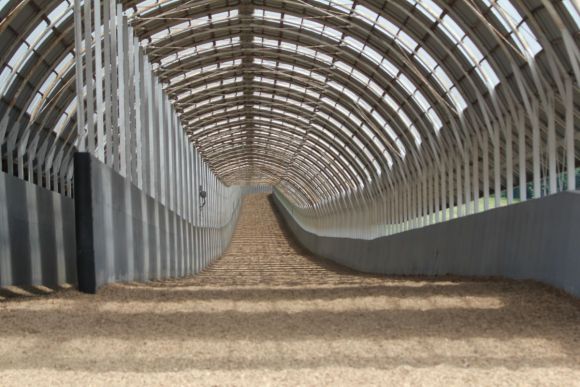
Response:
column 289, row 191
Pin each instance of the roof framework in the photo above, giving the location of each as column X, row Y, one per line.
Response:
column 320, row 98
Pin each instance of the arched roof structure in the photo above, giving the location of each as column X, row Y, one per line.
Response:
column 318, row 97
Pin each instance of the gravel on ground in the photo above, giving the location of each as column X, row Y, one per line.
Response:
column 267, row 313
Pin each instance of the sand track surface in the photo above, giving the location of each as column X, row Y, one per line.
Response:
column 267, row 313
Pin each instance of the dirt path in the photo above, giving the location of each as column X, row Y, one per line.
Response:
column 266, row 313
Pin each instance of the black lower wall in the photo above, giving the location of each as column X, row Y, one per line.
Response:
column 538, row 239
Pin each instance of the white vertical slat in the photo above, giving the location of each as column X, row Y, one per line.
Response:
column 405, row 206
column 113, row 143
column 153, row 133
column 183, row 195
column 431, row 217
column 459, row 189
column 107, row 141
column 485, row 150
column 496, row 166
column 396, row 209
column 522, row 155
column 413, row 208
column 195, row 198
column 130, row 141
column 122, row 102
column 475, row 162
column 189, row 177
column 536, row 150
column 569, row 138
column 187, row 199
column 191, row 200
column 89, row 68
column 139, row 112
column 204, row 244
column 201, row 243
column 178, row 162
column 207, row 211
column 78, row 76
column 166, row 151
column 216, row 214
column 409, row 208
column 551, row 147
column 437, row 195
column 170, row 172
column 509, row 158
column 141, row 119
column 443, row 192
column 126, row 133
column 160, row 145
column 451, row 191
column 467, row 183
column 148, row 124
column 425, row 201
column 100, row 139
